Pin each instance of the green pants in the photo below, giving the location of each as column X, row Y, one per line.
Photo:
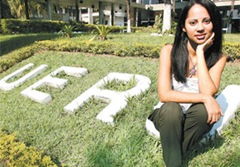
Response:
column 178, row 131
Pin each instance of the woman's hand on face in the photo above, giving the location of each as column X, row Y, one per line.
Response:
column 213, row 109
column 203, row 47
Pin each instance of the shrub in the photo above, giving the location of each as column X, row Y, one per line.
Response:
column 232, row 50
column 103, row 47
column 113, row 29
column 68, row 30
column 103, row 31
column 36, row 26
column 144, row 50
column 15, row 153
column 10, row 59
column 78, row 26
column 30, row 26
column 98, row 47
column 158, row 22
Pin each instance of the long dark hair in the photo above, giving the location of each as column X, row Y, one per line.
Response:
column 180, row 53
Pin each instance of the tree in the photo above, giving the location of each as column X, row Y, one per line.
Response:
column 174, row 5
column 128, row 16
column 230, row 16
column 158, row 22
column 26, row 9
column 36, row 9
column 22, row 8
column 5, row 11
column 77, row 10
column 232, row 7
column 17, row 8
column 0, row 9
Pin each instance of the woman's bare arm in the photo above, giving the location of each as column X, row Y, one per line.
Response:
column 209, row 80
column 165, row 91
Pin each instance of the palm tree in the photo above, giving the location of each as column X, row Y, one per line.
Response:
column 128, row 16
column 103, row 31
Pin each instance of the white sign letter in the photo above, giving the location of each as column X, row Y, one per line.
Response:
column 118, row 100
column 52, row 81
column 8, row 86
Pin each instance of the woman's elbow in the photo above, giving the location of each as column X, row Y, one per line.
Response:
column 162, row 98
column 210, row 92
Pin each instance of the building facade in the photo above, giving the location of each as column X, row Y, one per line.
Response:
column 143, row 12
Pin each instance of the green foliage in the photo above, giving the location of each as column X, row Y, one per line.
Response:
column 80, row 139
column 30, row 26
column 1, row 28
column 79, row 26
column 232, row 50
column 235, row 38
column 137, row 50
column 158, row 23
column 120, row 86
column 36, row 26
column 106, row 47
column 113, row 29
column 68, row 30
column 103, row 31
column 14, row 153
column 16, row 56
column 71, row 138
column 133, row 45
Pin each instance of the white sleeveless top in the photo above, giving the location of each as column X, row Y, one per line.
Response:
column 190, row 86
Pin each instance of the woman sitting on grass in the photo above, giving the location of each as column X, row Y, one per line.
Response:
column 189, row 76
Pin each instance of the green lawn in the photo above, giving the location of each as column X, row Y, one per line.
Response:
column 81, row 140
column 231, row 37
column 9, row 42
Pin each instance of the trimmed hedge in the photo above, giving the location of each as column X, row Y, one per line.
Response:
column 232, row 50
column 46, row 26
column 30, row 26
column 103, row 47
column 16, row 56
column 15, row 153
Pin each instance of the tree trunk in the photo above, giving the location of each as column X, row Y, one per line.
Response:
column 77, row 10
column 0, row 9
column 174, row 5
column 232, row 5
column 229, row 29
column 5, row 11
column 26, row 9
column 128, row 16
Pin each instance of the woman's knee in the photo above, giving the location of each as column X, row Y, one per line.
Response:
column 198, row 112
column 171, row 111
